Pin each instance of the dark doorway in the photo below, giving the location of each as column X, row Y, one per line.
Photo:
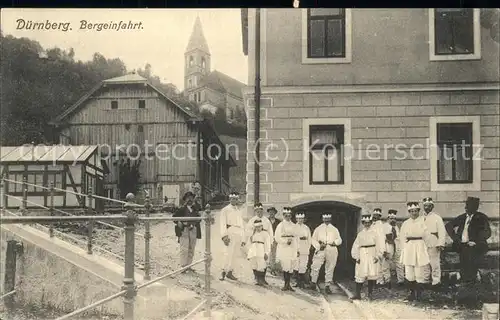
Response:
column 345, row 218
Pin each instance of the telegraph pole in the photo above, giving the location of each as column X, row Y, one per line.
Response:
column 257, row 108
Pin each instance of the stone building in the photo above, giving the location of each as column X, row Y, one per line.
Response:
column 209, row 89
column 393, row 90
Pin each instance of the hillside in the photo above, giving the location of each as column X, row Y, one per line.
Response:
column 238, row 149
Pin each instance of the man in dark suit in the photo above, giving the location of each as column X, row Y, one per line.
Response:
column 188, row 231
column 469, row 232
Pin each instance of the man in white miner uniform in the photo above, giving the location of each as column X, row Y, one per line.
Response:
column 325, row 239
column 287, row 250
column 367, row 250
column 232, row 232
column 437, row 230
column 414, row 256
column 304, row 234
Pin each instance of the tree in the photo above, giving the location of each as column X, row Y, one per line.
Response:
column 129, row 177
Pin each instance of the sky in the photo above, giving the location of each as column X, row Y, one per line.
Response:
column 161, row 42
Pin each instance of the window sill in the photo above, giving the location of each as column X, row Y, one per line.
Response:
column 306, row 60
column 325, row 188
column 475, row 186
column 455, row 57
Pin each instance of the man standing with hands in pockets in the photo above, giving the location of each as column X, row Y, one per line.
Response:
column 232, row 233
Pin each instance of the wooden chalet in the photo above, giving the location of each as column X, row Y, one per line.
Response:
column 127, row 116
column 72, row 168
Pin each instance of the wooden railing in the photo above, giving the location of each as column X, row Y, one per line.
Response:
column 131, row 218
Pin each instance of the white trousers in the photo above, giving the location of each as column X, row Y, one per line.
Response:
column 258, row 263
column 232, row 251
column 329, row 257
column 301, row 265
column 398, row 266
column 413, row 273
column 385, row 270
column 433, row 269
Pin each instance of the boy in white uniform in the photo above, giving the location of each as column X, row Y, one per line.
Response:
column 304, row 234
column 368, row 251
column 259, row 248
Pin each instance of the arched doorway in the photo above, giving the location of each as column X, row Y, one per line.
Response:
column 345, row 217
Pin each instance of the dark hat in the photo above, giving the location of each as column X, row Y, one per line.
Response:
column 188, row 194
column 272, row 209
column 392, row 211
column 472, row 200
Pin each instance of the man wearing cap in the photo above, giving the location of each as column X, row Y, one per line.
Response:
column 367, row 250
column 274, row 222
column 189, row 231
column 266, row 224
column 384, row 231
column 414, row 256
column 288, row 246
column 304, row 234
column 232, row 232
column 259, row 247
column 394, row 261
column 325, row 240
column 469, row 240
column 435, row 226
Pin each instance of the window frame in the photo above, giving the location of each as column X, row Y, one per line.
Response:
column 141, row 104
column 113, row 103
column 345, row 185
column 469, row 162
column 476, row 55
column 327, row 60
column 475, row 184
column 320, row 146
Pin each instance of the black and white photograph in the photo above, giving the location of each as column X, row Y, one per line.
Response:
column 250, row 164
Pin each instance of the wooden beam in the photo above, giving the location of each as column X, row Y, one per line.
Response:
column 70, row 176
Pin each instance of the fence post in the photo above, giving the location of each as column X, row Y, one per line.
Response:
column 24, row 208
column 5, row 188
column 147, row 237
column 208, row 261
column 90, row 224
column 51, row 228
column 129, row 281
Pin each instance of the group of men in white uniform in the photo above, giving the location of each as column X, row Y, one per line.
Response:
column 413, row 250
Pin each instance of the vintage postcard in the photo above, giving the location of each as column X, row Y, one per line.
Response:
column 302, row 163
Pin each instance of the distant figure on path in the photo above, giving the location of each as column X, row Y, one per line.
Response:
column 188, row 231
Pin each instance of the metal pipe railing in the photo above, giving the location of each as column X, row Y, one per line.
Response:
column 130, row 219
column 8, row 294
column 93, row 305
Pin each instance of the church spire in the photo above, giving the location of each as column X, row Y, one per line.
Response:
column 197, row 39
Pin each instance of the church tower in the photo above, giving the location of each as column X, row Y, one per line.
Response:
column 196, row 59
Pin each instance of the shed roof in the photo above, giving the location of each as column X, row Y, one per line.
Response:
column 47, row 154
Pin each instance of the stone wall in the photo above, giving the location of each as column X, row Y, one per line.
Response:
column 376, row 119
column 45, row 280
